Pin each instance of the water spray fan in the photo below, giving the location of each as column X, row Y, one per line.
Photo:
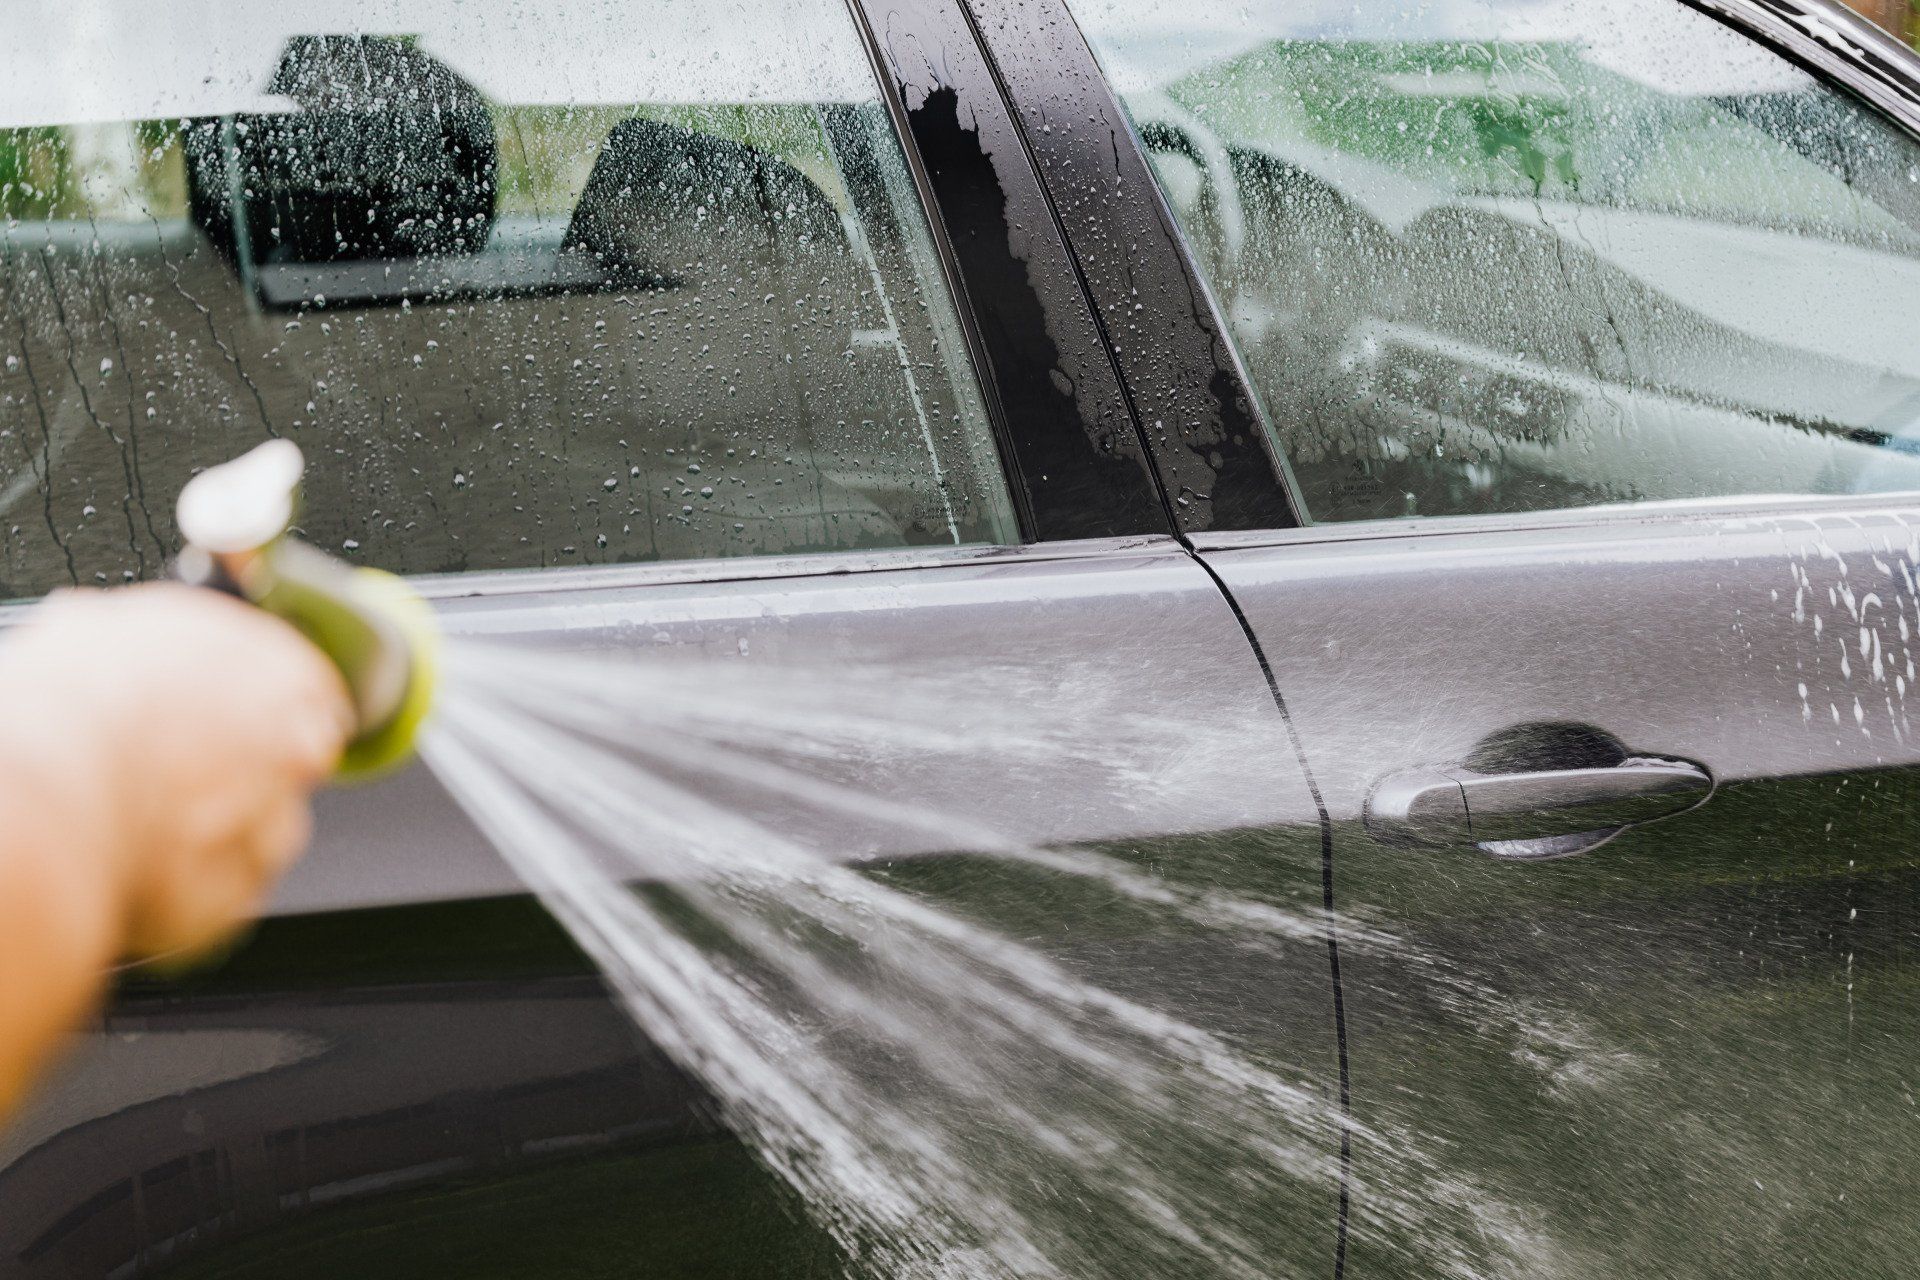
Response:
column 235, row 518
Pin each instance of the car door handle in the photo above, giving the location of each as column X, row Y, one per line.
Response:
column 1544, row 814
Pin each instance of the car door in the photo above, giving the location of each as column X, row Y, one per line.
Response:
column 825, row 395
column 1579, row 332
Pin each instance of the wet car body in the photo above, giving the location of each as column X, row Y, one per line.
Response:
column 1704, row 1020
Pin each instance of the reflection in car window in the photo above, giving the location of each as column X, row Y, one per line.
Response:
column 1526, row 254
column 601, row 283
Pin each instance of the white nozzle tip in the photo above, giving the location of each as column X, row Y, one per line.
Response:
column 243, row 504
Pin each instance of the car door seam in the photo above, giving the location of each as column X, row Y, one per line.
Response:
column 1327, row 909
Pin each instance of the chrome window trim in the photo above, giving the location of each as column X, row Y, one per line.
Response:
column 1666, row 512
column 507, row 583
column 517, row 582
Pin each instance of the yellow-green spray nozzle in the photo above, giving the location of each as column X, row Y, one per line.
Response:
column 234, row 520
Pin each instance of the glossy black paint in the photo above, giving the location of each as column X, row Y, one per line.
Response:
column 1075, row 460
column 1183, row 380
column 455, row 1060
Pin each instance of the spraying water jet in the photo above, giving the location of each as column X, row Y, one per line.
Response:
column 950, row 1100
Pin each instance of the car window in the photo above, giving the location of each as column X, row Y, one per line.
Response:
column 531, row 285
column 1531, row 254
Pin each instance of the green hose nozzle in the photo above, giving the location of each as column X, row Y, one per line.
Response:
column 382, row 636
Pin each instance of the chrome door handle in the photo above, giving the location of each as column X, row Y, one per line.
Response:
column 1545, row 814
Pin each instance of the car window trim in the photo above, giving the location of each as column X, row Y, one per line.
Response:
column 826, row 564
column 1213, row 454
column 1612, row 515
column 1072, row 453
column 508, row 583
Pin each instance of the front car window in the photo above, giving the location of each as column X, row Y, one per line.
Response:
column 563, row 284
column 1529, row 254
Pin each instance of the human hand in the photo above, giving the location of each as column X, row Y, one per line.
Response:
column 173, row 737
column 158, row 745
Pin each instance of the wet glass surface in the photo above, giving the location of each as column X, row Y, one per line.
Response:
column 614, row 284
column 1519, row 256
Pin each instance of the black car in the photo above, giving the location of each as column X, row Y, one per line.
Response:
column 1503, row 418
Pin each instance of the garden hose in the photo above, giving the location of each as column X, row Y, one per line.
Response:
column 235, row 520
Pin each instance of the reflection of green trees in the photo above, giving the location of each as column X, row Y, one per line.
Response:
column 1473, row 116
column 546, row 152
column 163, row 167
column 36, row 174
column 41, row 176
column 1537, row 121
column 1536, row 141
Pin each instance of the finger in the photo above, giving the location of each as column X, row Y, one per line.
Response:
column 278, row 838
column 315, row 736
column 196, row 903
